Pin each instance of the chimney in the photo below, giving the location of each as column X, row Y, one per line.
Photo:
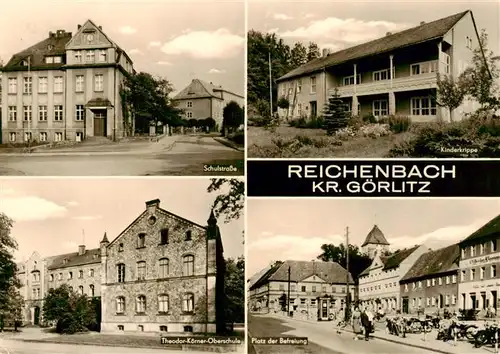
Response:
column 81, row 250
column 388, row 33
column 79, row 26
column 51, row 34
column 325, row 52
column 422, row 23
column 100, row 27
column 152, row 205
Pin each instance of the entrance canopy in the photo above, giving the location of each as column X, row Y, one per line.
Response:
column 99, row 103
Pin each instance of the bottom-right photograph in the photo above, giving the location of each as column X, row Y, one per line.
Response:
column 373, row 275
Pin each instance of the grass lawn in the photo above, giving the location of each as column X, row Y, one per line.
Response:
column 261, row 145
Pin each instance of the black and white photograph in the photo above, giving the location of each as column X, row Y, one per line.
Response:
column 418, row 276
column 373, row 79
column 118, row 265
column 109, row 88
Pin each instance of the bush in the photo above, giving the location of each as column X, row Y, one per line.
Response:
column 375, row 130
column 369, row 118
column 238, row 138
column 258, row 121
column 356, row 122
column 397, row 124
column 345, row 133
column 304, row 123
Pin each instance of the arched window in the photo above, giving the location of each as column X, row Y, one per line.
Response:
column 188, row 328
column 163, row 303
column 80, row 289
column 141, row 240
column 163, row 268
column 120, row 270
column 188, row 302
column 188, row 265
column 141, row 270
column 92, row 290
column 140, row 304
column 120, row 304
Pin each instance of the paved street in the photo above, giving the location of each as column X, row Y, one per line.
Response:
column 323, row 339
column 176, row 155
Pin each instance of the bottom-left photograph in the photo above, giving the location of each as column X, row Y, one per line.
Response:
column 117, row 265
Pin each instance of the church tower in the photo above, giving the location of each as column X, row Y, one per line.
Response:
column 375, row 242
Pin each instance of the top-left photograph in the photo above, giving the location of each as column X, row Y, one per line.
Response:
column 122, row 89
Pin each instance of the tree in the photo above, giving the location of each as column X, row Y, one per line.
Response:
column 72, row 312
column 358, row 261
column 234, row 116
column 231, row 202
column 335, row 114
column 313, row 51
column 209, row 123
column 481, row 78
column 298, row 55
column 450, row 93
column 283, row 103
column 235, row 289
column 11, row 311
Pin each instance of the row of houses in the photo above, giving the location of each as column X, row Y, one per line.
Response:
column 459, row 276
column 163, row 273
column 67, row 87
column 393, row 75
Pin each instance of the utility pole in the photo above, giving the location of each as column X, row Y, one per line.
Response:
column 31, row 110
column 288, row 296
column 347, row 298
column 270, row 84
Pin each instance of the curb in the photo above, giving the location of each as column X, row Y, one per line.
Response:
column 382, row 338
column 229, row 144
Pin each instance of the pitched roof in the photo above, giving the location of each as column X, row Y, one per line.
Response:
column 74, row 259
column 394, row 260
column 491, row 228
column 54, row 45
column 434, row 262
column 331, row 272
column 201, row 89
column 262, row 277
column 375, row 237
column 415, row 35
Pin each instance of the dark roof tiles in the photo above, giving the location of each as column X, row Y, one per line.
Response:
column 74, row 259
column 375, row 237
column 434, row 262
column 491, row 228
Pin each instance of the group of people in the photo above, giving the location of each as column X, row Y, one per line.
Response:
column 362, row 322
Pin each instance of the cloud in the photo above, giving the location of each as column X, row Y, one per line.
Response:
column 282, row 17
column 164, row 63
column 30, row 208
column 220, row 44
column 135, row 51
column 216, row 71
column 349, row 30
column 309, row 15
column 128, row 30
column 154, row 44
column 87, row 217
column 273, row 30
column 72, row 203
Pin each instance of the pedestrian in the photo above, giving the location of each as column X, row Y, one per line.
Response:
column 356, row 323
column 365, row 322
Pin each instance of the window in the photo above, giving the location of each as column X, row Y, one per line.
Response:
column 90, row 56
column 188, row 235
column 428, row 282
column 70, row 275
column 27, row 113
column 472, row 274
column 163, row 329
column 163, row 236
column 313, row 288
column 163, row 268
column 468, row 42
column 188, row 265
column 140, row 304
column 453, row 299
column 349, row 80
column 462, row 276
column 49, row 60
column 493, row 246
column 12, row 85
column 79, row 112
column 140, row 328
column 57, row 60
column 79, row 83
column 299, row 85
column 60, row 276
column 36, row 276
column 163, row 303
column 380, row 108
column 428, row 300
column 58, row 84
column 188, row 302
column 42, row 113
column 121, row 327
column 141, row 240
column 303, row 288
column 481, row 248
column 42, row 84
column 481, row 273
column 58, row 113
column 440, row 281
column 120, row 304
column 472, row 251
column 78, row 56
column 382, row 75
column 91, row 272
column 141, row 270
column 58, row 136
column 454, row 279
column 80, row 289
column 406, row 287
column 102, row 55
column 121, row 272
column 189, row 104
column 447, row 279
column 92, row 290
column 99, row 80
column 80, row 274
column 463, row 252
column 313, row 84
column 493, row 271
column 188, row 329
column 12, row 113
column 120, row 247
column 423, row 106
column 420, row 284
column 28, row 85
column 424, row 68
column 51, row 277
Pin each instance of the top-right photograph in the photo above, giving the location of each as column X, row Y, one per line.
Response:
column 373, row 79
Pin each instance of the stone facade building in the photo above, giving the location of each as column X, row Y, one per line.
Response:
column 431, row 284
column 163, row 273
column 65, row 87
column 317, row 289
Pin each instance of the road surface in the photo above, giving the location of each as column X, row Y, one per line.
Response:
column 178, row 156
column 323, row 339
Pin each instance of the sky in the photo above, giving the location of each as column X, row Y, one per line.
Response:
column 177, row 39
column 285, row 229
column 53, row 216
column 337, row 24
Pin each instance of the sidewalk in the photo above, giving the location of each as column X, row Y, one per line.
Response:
column 413, row 340
column 229, row 143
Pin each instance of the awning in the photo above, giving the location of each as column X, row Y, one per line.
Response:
column 98, row 103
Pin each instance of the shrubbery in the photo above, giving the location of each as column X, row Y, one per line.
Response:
column 304, row 123
column 397, row 124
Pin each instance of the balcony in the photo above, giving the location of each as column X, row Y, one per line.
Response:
column 409, row 83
